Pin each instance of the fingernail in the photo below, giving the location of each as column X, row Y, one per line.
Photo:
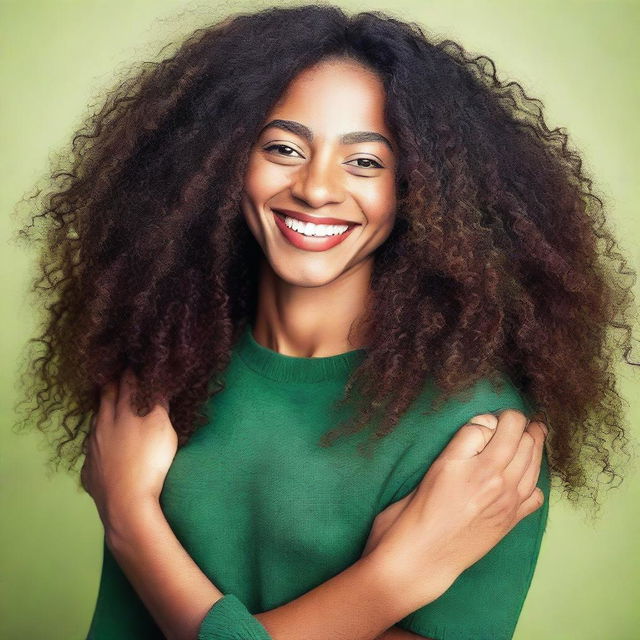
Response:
column 485, row 421
column 544, row 428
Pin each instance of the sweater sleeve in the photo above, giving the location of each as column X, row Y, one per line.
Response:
column 485, row 600
column 119, row 612
column 229, row 619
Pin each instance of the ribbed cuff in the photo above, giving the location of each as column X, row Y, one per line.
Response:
column 229, row 619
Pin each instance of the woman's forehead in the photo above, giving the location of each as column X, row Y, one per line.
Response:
column 346, row 104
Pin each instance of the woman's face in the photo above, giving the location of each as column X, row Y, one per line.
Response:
column 323, row 153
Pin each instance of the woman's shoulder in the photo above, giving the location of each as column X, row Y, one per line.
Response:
column 485, row 395
column 429, row 425
column 434, row 417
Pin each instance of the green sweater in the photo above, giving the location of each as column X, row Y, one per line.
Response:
column 268, row 514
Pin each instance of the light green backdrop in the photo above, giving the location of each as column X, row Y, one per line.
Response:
column 580, row 58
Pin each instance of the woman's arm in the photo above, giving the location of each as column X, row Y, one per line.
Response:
column 127, row 459
column 360, row 603
column 480, row 486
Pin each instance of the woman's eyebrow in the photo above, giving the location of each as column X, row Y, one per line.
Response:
column 303, row 131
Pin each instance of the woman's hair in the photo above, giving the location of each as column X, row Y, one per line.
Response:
column 500, row 260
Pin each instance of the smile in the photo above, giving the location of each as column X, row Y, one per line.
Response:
column 309, row 236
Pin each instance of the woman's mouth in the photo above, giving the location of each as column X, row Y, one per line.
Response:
column 309, row 236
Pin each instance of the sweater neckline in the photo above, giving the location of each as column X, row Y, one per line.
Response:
column 283, row 368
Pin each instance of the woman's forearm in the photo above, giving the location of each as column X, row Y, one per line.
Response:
column 360, row 603
column 174, row 590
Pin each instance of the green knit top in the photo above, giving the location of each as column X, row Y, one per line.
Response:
column 268, row 514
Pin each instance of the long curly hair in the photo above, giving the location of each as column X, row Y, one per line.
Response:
column 500, row 260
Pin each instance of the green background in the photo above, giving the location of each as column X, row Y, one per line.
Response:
column 580, row 58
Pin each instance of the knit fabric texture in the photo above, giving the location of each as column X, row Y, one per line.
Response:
column 268, row 513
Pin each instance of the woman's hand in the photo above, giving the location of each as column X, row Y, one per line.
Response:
column 128, row 456
column 482, row 484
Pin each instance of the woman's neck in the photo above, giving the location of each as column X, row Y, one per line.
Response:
column 310, row 321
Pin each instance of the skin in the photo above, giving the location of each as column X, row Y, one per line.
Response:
column 480, row 486
column 309, row 299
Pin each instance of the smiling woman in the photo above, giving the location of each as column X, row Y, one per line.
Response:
column 325, row 155
column 303, row 227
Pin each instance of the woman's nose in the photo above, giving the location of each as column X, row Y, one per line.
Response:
column 318, row 182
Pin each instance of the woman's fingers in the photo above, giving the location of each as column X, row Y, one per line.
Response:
column 108, row 402
column 163, row 402
column 502, row 447
column 467, row 442
column 520, row 462
column 485, row 419
column 126, row 388
column 530, row 477
column 530, row 504
column 472, row 438
column 84, row 478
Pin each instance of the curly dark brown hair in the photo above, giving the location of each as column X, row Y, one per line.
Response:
column 500, row 260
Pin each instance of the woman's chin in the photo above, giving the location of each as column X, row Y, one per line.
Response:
column 304, row 276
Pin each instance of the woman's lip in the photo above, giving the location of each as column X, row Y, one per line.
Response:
column 306, row 218
column 309, row 243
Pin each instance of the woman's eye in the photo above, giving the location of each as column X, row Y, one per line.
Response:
column 374, row 165
column 280, row 146
column 370, row 164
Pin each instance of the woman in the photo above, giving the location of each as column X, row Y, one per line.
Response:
column 462, row 248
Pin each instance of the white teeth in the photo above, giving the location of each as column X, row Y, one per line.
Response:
column 311, row 229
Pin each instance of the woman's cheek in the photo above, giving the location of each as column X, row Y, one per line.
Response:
column 379, row 207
